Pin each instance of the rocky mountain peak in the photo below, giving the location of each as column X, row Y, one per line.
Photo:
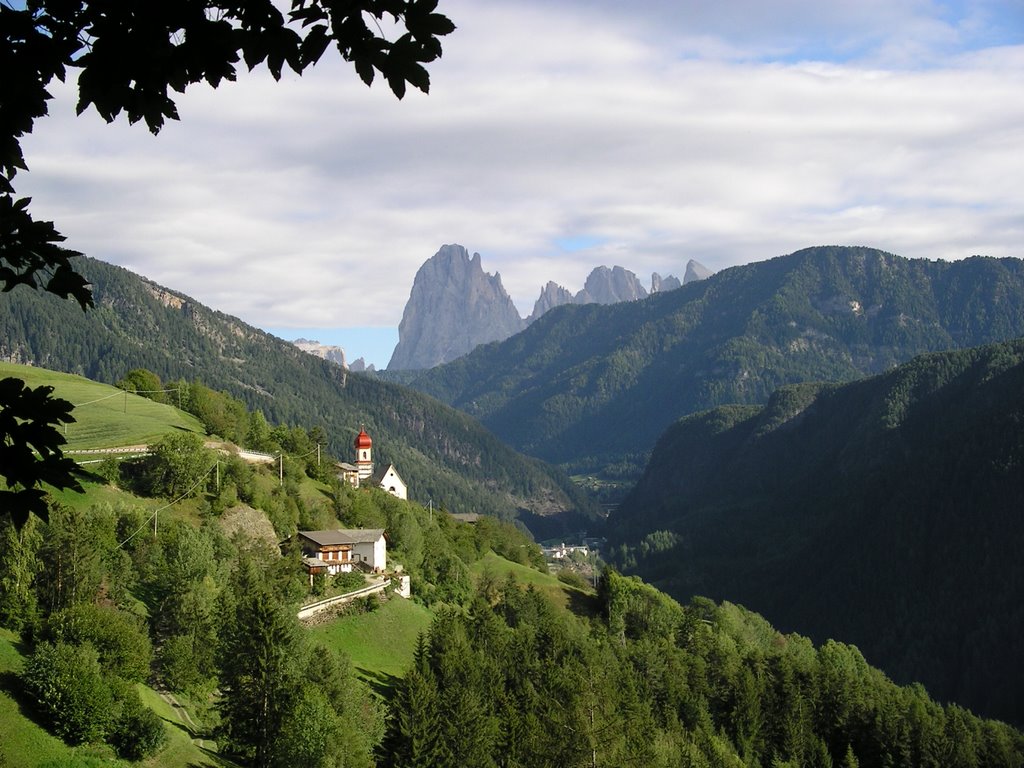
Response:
column 661, row 284
column 608, row 286
column 696, row 271
column 453, row 307
column 359, row 366
column 551, row 295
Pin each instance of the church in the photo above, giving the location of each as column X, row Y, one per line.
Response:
column 385, row 477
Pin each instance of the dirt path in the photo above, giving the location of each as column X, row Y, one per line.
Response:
column 184, row 716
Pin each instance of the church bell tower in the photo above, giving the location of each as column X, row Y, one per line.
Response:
column 364, row 454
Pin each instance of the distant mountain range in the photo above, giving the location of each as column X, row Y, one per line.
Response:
column 593, row 387
column 442, row 454
column 886, row 512
column 454, row 306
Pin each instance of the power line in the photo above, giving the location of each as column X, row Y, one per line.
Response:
column 129, row 392
column 97, row 400
column 168, row 505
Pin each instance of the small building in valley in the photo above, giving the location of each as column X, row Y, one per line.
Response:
column 343, row 550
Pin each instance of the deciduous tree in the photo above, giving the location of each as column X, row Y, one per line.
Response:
column 178, row 463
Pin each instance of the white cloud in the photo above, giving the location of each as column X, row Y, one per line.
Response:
column 661, row 135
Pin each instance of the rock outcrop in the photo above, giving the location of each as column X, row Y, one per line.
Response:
column 328, row 352
column 359, row 366
column 695, row 271
column 453, row 307
column 609, row 286
column 551, row 295
column 661, row 284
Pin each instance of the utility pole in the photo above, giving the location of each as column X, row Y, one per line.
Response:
column 431, row 503
column 280, row 469
column 318, row 454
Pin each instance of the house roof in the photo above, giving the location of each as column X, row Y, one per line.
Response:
column 466, row 517
column 344, row 466
column 343, row 536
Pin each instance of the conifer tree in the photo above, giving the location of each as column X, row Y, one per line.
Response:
column 259, row 669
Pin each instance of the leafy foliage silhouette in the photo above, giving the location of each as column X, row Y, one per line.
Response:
column 130, row 57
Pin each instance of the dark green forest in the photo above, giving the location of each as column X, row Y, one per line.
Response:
column 885, row 512
column 442, row 454
column 509, row 681
column 592, row 387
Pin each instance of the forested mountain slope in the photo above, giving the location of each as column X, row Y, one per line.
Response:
column 442, row 454
column 590, row 386
column 886, row 512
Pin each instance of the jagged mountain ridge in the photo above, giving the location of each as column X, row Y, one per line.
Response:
column 454, row 306
column 592, row 387
column 885, row 512
column 443, row 454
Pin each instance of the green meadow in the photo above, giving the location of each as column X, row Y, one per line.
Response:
column 380, row 643
column 105, row 417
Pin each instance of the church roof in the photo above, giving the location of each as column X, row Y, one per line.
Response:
column 363, row 440
column 381, row 472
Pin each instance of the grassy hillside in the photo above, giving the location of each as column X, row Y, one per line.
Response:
column 884, row 512
column 496, row 568
column 380, row 643
column 105, row 417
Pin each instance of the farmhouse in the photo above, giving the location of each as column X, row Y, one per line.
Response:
column 386, row 477
column 343, row 550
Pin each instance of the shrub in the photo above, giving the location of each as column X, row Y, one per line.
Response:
column 349, row 582
column 319, row 584
column 109, row 469
column 573, row 579
column 68, row 687
column 120, row 639
column 138, row 731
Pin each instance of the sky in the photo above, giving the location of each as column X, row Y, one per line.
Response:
column 559, row 136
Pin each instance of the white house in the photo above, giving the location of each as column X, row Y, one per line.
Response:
column 341, row 550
